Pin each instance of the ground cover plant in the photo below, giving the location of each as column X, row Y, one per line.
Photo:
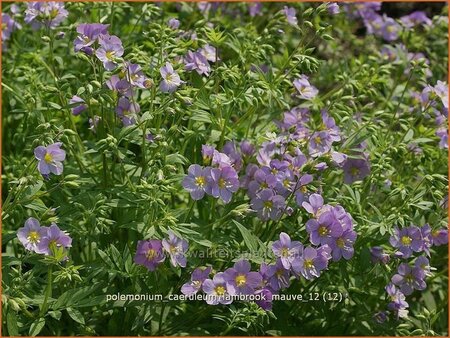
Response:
column 224, row 169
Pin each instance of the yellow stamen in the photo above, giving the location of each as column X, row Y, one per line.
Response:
column 48, row 158
column 222, row 183
column 200, row 181
column 340, row 242
column 241, row 280
column 285, row 252
column 151, row 253
column 406, row 240
column 33, row 237
column 308, row 263
column 220, row 290
column 323, row 231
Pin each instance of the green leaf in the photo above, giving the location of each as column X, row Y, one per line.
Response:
column 11, row 323
column 75, row 315
column 37, row 326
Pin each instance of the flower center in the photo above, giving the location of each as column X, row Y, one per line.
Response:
column 286, row 183
column 173, row 248
column 48, row 158
column 323, row 231
column 354, row 171
column 53, row 13
column 279, row 272
column 220, row 290
column 200, row 181
column 268, row 204
column 33, row 237
column 264, row 185
column 285, row 252
column 241, row 280
column 406, row 240
column 318, row 140
column 409, row 278
column 340, row 242
column 221, row 183
column 308, row 264
column 110, row 54
column 151, row 253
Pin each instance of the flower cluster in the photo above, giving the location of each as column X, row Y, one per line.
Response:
column 199, row 60
column 219, row 180
column 411, row 275
column 41, row 239
column 48, row 14
column 151, row 253
column 292, row 259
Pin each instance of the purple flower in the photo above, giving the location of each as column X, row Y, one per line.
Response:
column 278, row 276
column 290, row 13
column 149, row 254
column 173, row 23
column 209, row 52
column 301, row 188
column 254, row 9
column 207, row 153
column 440, row 237
column 110, row 49
column 310, row 263
column 343, row 245
column 409, row 279
column 53, row 239
column 247, row 149
column 262, row 179
column 319, row 143
column 123, row 87
column 88, row 34
column 198, row 62
column 377, row 255
column 442, row 133
column 216, row 290
column 380, row 317
column 397, row 300
column 441, row 90
column 390, row 29
column 240, row 280
column 306, row 90
column 127, row 111
column 50, row 159
column 197, row 278
column 31, row 234
column 286, row 250
column 8, row 26
column 134, row 75
column 322, row 230
column 93, row 123
column 268, row 205
column 223, row 183
column 197, row 181
column 265, row 300
column 221, row 159
column 171, row 80
column 176, row 248
column 407, row 240
column 424, row 264
column 315, row 205
column 333, row 8
column 49, row 14
column 415, row 18
column 355, row 169
column 80, row 107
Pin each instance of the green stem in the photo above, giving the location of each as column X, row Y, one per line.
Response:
column 48, row 291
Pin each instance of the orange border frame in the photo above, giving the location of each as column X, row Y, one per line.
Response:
column 144, row 1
